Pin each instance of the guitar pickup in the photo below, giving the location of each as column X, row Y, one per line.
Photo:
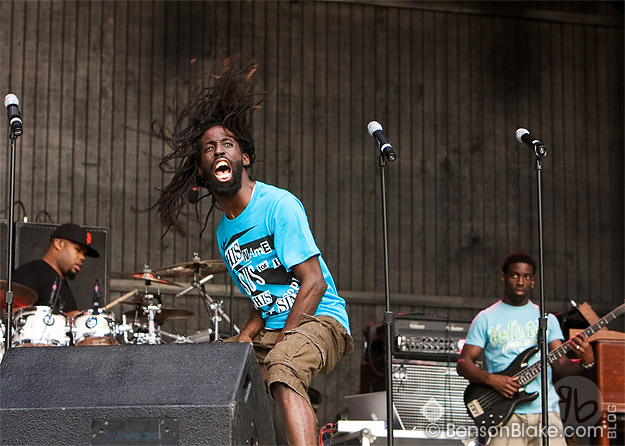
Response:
column 475, row 408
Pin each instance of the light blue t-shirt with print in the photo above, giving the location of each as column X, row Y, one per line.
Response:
column 262, row 245
column 504, row 331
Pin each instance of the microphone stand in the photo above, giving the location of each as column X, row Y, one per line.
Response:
column 388, row 314
column 13, row 135
column 541, row 152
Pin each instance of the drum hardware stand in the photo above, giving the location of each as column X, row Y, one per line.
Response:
column 151, row 311
column 15, row 131
column 216, row 306
column 124, row 328
column 152, row 307
column 178, row 339
column 147, row 273
column 206, row 299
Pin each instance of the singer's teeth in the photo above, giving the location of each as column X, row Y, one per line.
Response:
column 222, row 170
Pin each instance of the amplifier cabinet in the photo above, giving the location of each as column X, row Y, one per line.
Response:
column 429, row 392
column 431, row 339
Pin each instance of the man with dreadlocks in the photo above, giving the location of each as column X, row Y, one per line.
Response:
column 298, row 324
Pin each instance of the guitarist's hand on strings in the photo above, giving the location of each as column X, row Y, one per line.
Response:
column 582, row 349
column 506, row 385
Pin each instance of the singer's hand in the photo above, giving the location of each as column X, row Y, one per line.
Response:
column 245, row 338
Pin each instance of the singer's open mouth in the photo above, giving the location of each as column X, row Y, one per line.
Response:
column 223, row 172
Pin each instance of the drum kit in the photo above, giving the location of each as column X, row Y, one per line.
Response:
column 41, row 326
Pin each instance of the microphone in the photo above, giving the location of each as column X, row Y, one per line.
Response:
column 13, row 112
column 375, row 129
column 524, row 136
column 96, row 297
column 53, row 292
column 193, row 195
column 54, row 296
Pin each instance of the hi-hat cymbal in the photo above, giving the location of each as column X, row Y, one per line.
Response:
column 22, row 295
column 152, row 277
column 186, row 269
column 164, row 315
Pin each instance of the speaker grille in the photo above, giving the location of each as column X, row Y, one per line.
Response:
column 31, row 241
column 427, row 392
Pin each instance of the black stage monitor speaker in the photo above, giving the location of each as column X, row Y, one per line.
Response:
column 31, row 241
column 172, row 394
column 429, row 392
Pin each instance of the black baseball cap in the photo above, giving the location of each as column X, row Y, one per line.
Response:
column 76, row 234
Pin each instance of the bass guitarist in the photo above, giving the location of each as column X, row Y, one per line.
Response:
column 503, row 331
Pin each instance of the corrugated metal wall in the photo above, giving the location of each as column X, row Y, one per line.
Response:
column 450, row 82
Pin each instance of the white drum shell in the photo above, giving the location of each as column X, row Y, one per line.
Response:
column 89, row 325
column 37, row 325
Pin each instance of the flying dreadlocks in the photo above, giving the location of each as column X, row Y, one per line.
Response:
column 228, row 101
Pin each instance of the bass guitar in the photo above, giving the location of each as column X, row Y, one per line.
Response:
column 489, row 408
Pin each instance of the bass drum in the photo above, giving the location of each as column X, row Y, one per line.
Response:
column 94, row 329
column 37, row 326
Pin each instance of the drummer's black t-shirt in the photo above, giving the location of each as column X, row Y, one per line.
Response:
column 40, row 276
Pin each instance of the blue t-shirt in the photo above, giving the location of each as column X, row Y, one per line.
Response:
column 503, row 331
column 263, row 244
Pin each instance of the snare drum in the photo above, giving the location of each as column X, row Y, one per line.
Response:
column 38, row 326
column 94, row 329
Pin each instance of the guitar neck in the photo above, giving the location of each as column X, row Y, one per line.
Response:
column 529, row 373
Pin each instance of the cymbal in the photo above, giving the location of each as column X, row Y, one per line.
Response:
column 23, row 296
column 140, row 301
column 143, row 276
column 165, row 315
column 186, row 269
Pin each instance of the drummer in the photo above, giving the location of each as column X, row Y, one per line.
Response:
column 64, row 257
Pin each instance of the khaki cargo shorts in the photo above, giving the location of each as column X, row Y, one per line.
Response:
column 314, row 346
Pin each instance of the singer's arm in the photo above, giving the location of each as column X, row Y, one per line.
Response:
column 312, row 288
column 255, row 323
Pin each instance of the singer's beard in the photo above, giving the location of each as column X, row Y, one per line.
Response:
column 70, row 275
column 229, row 188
